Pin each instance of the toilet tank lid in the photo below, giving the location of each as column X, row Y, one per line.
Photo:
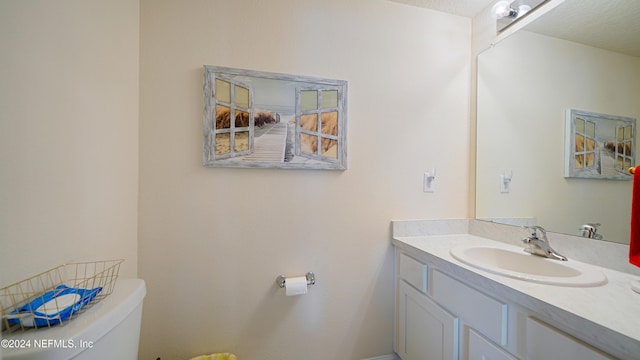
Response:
column 89, row 327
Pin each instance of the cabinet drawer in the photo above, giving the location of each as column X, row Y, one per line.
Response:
column 546, row 342
column 413, row 272
column 481, row 349
column 480, row 311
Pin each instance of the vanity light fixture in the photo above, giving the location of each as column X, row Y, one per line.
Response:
column 503, row 9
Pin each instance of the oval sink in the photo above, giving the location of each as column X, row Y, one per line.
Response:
column 523, row 266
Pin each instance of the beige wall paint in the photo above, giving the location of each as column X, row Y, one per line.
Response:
column 213, row 240
column 68, row 134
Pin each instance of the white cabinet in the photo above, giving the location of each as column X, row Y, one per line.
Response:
column 481, row 312
column 425, row 330
column 440, row 317
column 545, row 342
column 482, row 349
column 413, row 272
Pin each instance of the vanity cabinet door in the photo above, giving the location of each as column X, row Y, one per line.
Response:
column 483, row 313
column 545, row 342
column 425, row 330
column 482, row 349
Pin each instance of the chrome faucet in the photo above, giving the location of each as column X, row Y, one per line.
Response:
column 540, row 245
column 590, row 231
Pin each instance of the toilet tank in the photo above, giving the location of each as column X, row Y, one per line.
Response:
column 109, row 329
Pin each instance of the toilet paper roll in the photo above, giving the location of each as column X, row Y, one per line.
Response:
column 296, row 285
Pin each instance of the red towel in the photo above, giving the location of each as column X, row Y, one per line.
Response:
column 634, row 241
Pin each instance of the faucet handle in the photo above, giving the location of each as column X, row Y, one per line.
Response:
column 534, row 230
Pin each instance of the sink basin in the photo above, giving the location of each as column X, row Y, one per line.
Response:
column 518, row 264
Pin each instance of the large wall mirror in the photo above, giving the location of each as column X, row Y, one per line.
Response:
column 583, row 55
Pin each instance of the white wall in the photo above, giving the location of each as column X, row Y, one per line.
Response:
column 213, row 240
column 68, row 134
column 536, row 79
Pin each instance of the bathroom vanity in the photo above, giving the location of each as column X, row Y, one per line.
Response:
column 448, row 309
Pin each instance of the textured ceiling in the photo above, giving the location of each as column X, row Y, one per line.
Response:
column 468, row 8
column 612, row 24
column 608, row 24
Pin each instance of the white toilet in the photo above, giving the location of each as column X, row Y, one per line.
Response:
column 110, row 329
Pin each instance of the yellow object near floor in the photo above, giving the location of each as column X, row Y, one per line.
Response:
column 220, row 356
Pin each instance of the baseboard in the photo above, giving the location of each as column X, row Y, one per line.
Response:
column 384, row 357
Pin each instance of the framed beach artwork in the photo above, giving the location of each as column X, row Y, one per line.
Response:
column 256, row 119
column 599, row 146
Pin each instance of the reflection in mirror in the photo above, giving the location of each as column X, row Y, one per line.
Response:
column 526, row 84
column 599, row 146
column 585, row 134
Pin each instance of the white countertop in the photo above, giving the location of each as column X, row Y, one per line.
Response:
column 607, row 316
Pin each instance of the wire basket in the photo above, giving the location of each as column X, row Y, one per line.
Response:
column 58, row 295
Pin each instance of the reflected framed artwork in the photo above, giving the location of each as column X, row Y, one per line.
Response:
column 256, row 119
column 599, row 146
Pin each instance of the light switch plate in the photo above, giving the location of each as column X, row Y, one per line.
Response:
column 428, row 182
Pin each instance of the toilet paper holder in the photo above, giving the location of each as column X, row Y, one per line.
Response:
column 281, row 280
